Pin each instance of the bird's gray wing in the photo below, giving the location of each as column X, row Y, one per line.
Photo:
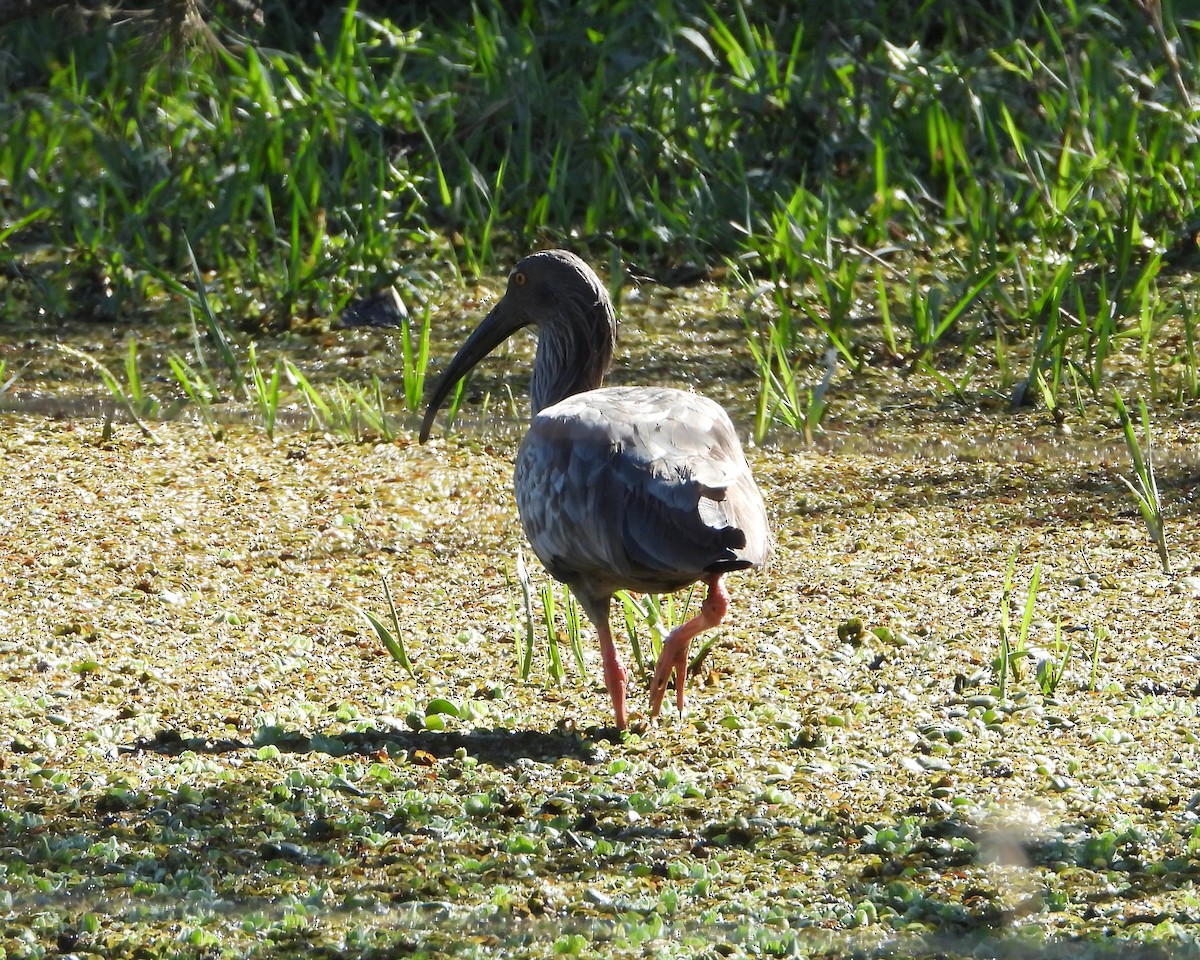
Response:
column 642, row 488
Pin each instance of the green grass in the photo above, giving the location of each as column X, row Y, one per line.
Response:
column 1001, row 178
column 1014, row 648
column 1144, row 486
column 414, row 357
column 390, row 634
column 128, row 396
column 527, row 626
column 538, row 614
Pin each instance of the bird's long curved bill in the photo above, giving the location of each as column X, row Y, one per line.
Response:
column 495, row 328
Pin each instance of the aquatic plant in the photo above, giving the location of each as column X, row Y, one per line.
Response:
column 1144, row 486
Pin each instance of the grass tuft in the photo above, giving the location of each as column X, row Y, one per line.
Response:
column 1144, row 486
column 1014, row 649
column 128, row 397
column 391, row 637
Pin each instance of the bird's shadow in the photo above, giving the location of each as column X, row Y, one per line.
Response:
column 498, row 748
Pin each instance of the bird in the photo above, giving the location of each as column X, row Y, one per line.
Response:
column 639, row 488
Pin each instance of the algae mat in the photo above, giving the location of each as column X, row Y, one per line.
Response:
column 205, row 752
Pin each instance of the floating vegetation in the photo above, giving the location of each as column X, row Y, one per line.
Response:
column 915, row 255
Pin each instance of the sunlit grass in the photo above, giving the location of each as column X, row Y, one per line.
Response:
column 1014, row 645
column 954, row 185
column 390, row 634
column 544, row 620
column 1144, row 486
column 129, row 395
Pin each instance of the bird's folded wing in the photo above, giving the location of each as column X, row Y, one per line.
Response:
column 643, row 487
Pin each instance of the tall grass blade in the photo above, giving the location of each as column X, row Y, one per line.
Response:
column 228, row 357
column 145, row 404
column 630, row 612
column 392, row 638
column 1144, row 486
column 1005, row 659
column 526, row 658
column 415, row 358
column 574, row 629
column 320, row 413
column 266, row 393
column 114, row 387
column 197, row 389
column 555, row 668
column 939, row 323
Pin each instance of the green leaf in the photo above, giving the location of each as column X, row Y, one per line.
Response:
column 393, row 642
column 441, row 706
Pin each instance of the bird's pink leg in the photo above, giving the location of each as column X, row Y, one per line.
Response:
column 674, row 656
column 614, row 672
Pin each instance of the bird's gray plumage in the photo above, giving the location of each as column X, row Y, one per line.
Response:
column 640, row 488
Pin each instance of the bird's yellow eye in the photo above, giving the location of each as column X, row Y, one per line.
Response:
column 519, row 278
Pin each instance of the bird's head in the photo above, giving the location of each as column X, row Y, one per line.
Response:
column 557, row 292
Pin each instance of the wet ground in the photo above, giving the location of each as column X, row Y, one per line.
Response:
column 207, row 752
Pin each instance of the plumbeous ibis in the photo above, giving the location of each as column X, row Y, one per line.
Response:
column 634, row 488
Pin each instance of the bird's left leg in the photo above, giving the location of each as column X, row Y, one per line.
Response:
column 614, row 673
column 674, row 656
column 598, row 607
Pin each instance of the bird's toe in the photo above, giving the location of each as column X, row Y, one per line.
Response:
column 672, row 660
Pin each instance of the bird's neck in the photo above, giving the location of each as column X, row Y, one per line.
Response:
column 571, row 358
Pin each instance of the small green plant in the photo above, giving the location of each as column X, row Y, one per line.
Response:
column 781, row 396
column 373, row 410
column 659, row 614
column 555, row 667
column 414, row 357
column 931, row 318
column 887, row 327
column 1190, row 377
column 139, row 399
column 344, row 419
column 527, row 631
column 126, row 397
column 349, row 412
column 1144, row 486
column 319, row 412
column 392, row 638
column 1051, row 356
column 266, row 392
column 455, row 403
column 528, row 636
column 1050, row 668
column 631, row 616
column 574, row 628
column 212, row 324
column 199, row 388
column 956, row 386
column 1014, row 650
column 645, row 610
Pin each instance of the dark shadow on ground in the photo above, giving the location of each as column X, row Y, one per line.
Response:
column 499, row 748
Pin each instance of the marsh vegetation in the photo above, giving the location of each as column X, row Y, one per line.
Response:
column 937, row 260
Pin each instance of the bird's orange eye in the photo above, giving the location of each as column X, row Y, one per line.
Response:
column 519, row 278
